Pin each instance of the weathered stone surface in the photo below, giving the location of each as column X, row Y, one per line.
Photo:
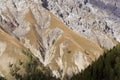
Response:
column 90, row 16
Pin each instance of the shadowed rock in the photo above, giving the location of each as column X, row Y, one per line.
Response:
column 115, row 10
column 45, row 3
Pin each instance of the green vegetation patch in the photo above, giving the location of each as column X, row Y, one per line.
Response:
column 2, row 78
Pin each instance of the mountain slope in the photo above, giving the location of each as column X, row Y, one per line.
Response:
column 58, row 47
column 16, row 61
column 10, row 53
column 107, row 67
column 96, row 20
column 74, row 44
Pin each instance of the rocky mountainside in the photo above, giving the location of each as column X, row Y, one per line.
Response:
column 97, row 20
column 56, row 41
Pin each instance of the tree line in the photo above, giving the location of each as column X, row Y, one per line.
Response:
column 107, row 67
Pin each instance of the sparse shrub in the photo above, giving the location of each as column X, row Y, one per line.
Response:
column 69, row 51
column 32, row 70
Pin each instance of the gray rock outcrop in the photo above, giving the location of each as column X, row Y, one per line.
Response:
column 98, row 20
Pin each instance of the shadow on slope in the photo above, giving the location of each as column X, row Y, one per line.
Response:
column 109, row 7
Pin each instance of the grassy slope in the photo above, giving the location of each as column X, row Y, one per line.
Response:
column 74, row 41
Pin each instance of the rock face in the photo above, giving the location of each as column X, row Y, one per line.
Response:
column 97, row 20
column 63, row 49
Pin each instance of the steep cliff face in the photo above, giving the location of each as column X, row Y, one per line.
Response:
column 26, row 24
column 97, row 20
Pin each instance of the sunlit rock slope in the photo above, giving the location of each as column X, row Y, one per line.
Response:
column 25, row 24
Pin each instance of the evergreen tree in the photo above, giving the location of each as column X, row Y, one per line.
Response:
column 107, row 67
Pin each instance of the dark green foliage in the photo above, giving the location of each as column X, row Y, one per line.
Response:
column 107, row 67
column 2, row 78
